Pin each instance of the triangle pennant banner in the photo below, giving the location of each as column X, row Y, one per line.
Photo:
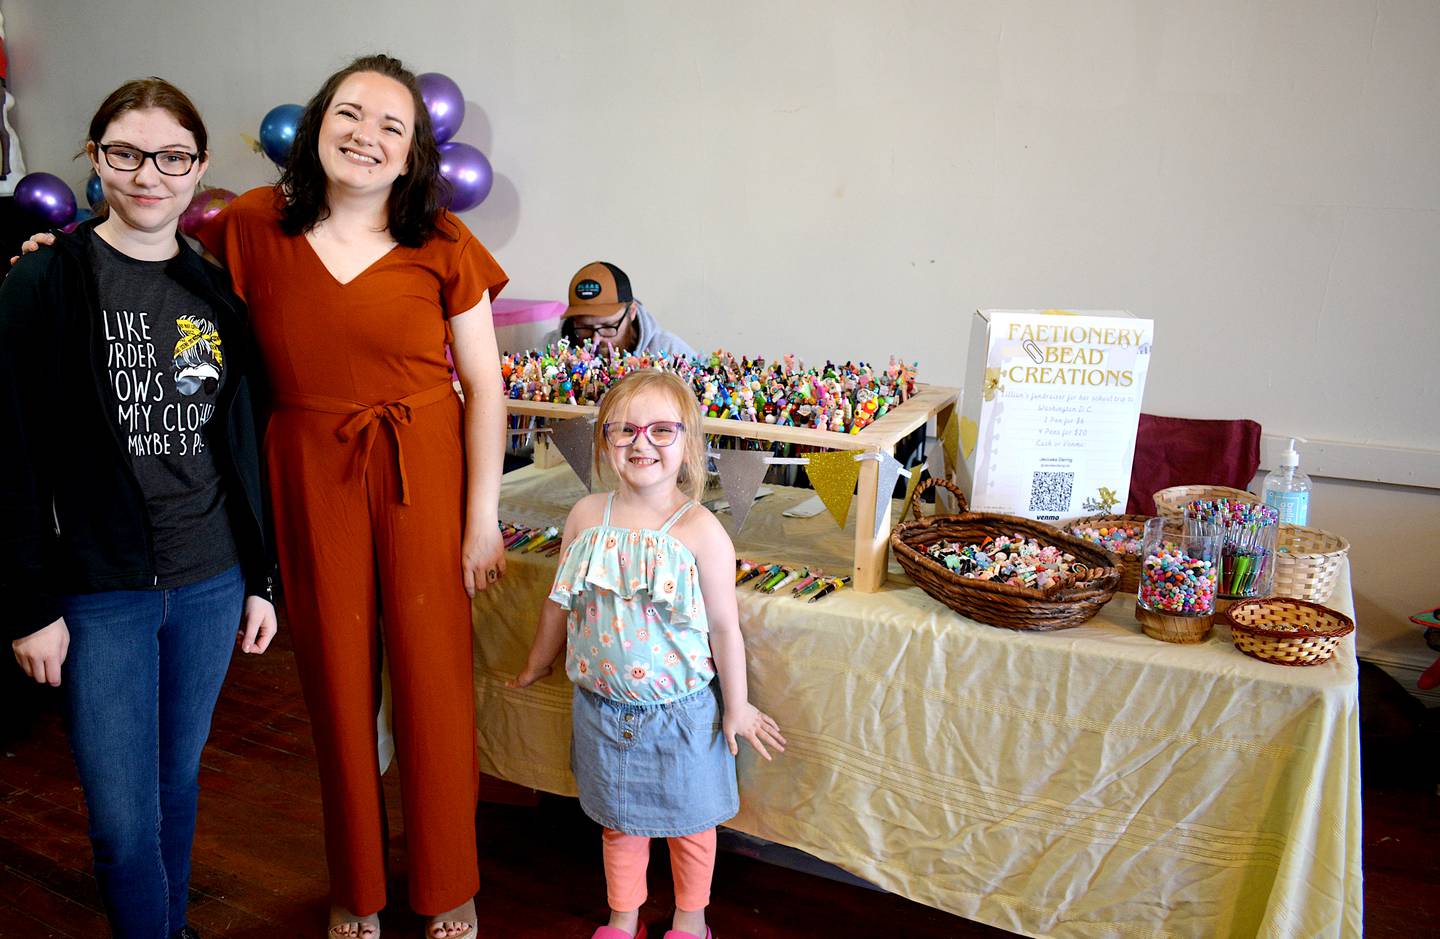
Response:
column 834, row 476
column 916, row 472
column 575, row 439
column 950, row 443
column 889, row 472
column 935, row 467
column 741, row 472
column 935, row 458
column 969, row 435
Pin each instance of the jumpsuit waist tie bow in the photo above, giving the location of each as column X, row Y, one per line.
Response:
column 364, row 417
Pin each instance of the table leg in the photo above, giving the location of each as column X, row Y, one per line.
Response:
column 871, row 548
column 546, row 453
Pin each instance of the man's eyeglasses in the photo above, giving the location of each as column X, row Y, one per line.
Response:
column 603, row 330
column 128, row 159
column 659, row 433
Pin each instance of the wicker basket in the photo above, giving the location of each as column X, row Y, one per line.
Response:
column 1308, row 563
column 1130, row 564
column 1287, row 632
column 1170, row 503
column 1066, row 602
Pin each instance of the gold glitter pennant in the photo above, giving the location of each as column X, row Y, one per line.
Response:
column 916, row 472
column 834, row 476
column 969, row 435
column 950, row 442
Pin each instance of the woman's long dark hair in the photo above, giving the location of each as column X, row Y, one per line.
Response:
column 415, row 199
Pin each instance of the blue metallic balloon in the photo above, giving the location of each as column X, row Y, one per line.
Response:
column 46, row 196
column 277, row 131
column 93, row 191
column 468, row 173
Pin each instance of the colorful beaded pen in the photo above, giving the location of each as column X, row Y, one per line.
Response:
column 830, row 588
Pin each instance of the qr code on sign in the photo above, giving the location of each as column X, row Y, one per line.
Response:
column 1050, row 492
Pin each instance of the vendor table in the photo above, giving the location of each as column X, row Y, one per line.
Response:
column 1083, row 783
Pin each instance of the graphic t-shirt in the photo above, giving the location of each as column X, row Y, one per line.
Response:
column 164, row 367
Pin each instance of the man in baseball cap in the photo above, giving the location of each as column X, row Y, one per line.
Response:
column 602, row 308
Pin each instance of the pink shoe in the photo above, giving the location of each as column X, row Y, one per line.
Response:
column 610, row 932
column 677, row 934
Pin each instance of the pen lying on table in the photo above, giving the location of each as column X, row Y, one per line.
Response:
column 830, row 588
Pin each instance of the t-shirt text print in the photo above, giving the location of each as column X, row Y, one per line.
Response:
column 162, row 405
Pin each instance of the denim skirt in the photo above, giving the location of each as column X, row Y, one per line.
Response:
column 655, row 770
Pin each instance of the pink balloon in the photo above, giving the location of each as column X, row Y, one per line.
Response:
column 205, row 206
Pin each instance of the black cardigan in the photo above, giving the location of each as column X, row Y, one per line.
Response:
column 72, row 516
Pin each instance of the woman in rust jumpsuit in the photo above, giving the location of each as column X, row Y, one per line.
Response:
column 385, row 487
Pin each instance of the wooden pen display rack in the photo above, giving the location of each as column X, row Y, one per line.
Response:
column 871, row 557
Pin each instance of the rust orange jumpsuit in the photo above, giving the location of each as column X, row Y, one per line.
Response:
column 365, row 457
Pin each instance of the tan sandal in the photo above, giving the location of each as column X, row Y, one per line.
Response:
column 469, row 932
column 364, row 928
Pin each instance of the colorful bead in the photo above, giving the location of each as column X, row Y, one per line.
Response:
column 840, row 398
column 1015, row 560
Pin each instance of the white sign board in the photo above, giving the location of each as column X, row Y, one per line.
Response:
column 1050, row 409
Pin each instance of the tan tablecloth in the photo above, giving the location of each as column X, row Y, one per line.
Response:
column 1089, row 782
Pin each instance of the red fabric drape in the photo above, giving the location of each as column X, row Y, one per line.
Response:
column 1182, row 451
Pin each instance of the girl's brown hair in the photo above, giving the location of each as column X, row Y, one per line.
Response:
column 616, row 403
column 141, row 93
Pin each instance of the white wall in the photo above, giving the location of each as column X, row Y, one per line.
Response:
column 853, row 178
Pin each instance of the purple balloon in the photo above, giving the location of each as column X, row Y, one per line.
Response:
column 46, row 196
column 206, row 204
column 468, row 173
column 445, row 102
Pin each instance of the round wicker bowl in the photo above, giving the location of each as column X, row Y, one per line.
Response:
column 1130, row 564
column 1286, row 631
column 1170, row 503
column 1062, row 604
column 1308, row 562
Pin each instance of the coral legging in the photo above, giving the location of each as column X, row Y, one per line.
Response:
column 692, row 861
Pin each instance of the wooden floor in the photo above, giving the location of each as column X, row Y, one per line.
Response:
column 259, row 870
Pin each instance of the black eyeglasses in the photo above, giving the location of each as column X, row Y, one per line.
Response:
column 659, row 433
column 129, row 159
column 605, row 330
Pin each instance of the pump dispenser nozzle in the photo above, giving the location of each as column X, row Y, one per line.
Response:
column 1290, row 457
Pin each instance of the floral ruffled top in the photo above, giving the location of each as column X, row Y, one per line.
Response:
column 637, row 631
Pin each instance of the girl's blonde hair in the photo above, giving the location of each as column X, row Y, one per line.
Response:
column 616, row 404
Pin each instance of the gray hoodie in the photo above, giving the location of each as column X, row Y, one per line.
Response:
column 653, row 339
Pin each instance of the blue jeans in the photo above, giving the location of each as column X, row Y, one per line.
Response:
column 142, row 676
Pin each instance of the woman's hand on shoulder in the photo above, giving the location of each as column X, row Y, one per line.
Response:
column 258, row 625
column 749, row 722
column 43, row 652
column 33, row 244
column 482, row 558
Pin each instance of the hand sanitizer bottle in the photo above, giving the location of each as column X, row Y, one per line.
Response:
column 1287, row 490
